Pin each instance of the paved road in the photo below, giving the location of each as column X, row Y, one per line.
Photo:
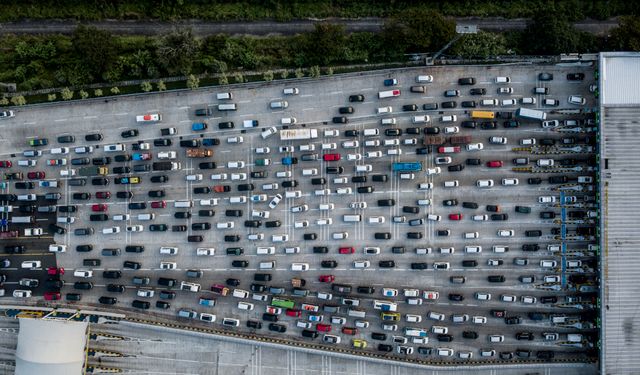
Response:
column 202, row 28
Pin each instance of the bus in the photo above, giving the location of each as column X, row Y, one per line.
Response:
column 407, row 167
column 284, row 303
column 532, row 114
column 483, row 114
column 385, row 305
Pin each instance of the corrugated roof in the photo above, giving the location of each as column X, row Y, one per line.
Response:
column 620, row 73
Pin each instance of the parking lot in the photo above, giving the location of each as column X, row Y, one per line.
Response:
column 449, row 239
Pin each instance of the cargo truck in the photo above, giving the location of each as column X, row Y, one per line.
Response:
column 296, row 134
column 460, row 140
column 434, row 140
column 93, row 171
column 532, row 114
column 149, row 118
column 388, row 94
column 199, row 152
column 166, row 166
column 407, row 167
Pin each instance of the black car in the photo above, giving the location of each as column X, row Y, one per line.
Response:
column 365, row 189
column 28, row 209
column 358, row 179
column 533, row 233
column 226, row 125
column 182, row 215
column 455, row 168
column 162, row 142
column 131, row 265
column 499, row 217
column 80, row 161
column 99, row 181
column 506, row 355
column 240, row 264
column 477, row 91
column 511, row 124
column 257, row 288
column 345, row 110
column 422, row 150
column 84, row 248
column 108, row 300
column 82, row 285
column 351, row 133
column 356, row 98
column 547, row 141
column 15, row 249
column 124, row 194
column 411, row 209
column 57, row 229
column 111, row 274
column 488, row 125
column 67, row 208
column 156, row 193
column 386, row 264
column 545, row 76
column 524, row 336
column 178, row 228
column 290, row 183
column 328, row 264
column 456, row 297
column 378, row 336
column 393, row 132
column 98, row 217
column 386, row 202
column 115, row 288
column 212, row 165
column 200, row 226
column 469, row 124
column 81, row 196
column 468, row 104
column 472, row 205
column 467, row 81
column 548, row 299
column 232, row 238
column 444, row 338
column 121, row 170
column 137, row 205
column 331, row 170
column 141, row 168
column 512, row 320
column 409, row 107
column 493, row 208
column 134, row 248
column 450, row 104
column 430, row 106
column 105, row 160
column 545, row 354
column 232, row 282
column 419, row 266
column 25, row 185
column 233, row 213
column 158, row 227
column 558, row 179
column 534, row 180
column 254, row 324
column 201, row 190
column 473, row 162
column 259, row 174
column 273, row 224
column 277, row 327
column 470, row 335
column 122, row 158
column 496, row 278
column 450, row 202
column 366, row 289
column 469, row 263
column 379, row 178
column 430, row 130
column 66, row 139
column 189, row 143
column 339, row 120
column 234, row 251
column 310, row 236
column 94, row 137
column 530, row 247
column 570, row 77
column 163, row 305
column 130, row 133
column 385, row 348
column 245, row 187
column 74, row 296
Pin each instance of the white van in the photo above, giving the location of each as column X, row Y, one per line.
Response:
column 384, row 110
column 239, row 293
column 503, row 79
column 168, row 250
column 473, row 249
column 471, row 235
column 449, row 118
column 424, row 79
column 299, row 266
column 227, row 107
column 352, row 218
column 245, row 305
column 183, row 204
column 500, row 249
column 144, row 217
column 279, row 237
column 114, row 148
column 371, row 132
column 489, row 102
column 224, row 96
column 388, row 121
column 269, row 265
column 167, row 155
column 288, row 120
column 310, row 172
column 264, row 250
column 60, row 150
column 83, row 273
column 423, row 119
column 433, row 217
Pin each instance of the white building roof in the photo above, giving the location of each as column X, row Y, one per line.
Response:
column 619, row 76
column 50, row 347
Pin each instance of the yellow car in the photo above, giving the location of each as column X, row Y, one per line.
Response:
column 359, row 343
column 388, row 316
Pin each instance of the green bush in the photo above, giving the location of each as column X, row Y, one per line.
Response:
column 146, row 86
column 97, row 92
column 66, row 94
column 161, row 86
column 52, row 97
column 267, row 76
column 83, row 94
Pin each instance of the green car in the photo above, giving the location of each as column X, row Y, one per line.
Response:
column 263, row 162
column 523, row 209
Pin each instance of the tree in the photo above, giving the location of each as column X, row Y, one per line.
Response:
column 18, row 100
column 83, row 94
column 175, row 51
column 97, row 48
column 324, row 45
column 193, row 82
column 238, row 77
column 481, row 45
column 223, row 80
column 4, row 101
column 284, row 74
column 115, row 90
column 314, row 71
column 161, row 86
column 66, row 94
column 51, row 97
column 626, row 37
column 146, row 86
column 549, row 34
column 417, row 30
column 329, row 71
column 267, row 76
column 97, row 92
column 299, row 73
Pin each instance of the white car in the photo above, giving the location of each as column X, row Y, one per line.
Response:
column 551, row 279
column 338, row 320
column 236, row 164
column 271, row 186
column 475, row 147
column 263, row 150
column 225, row 225
column 451, row 130
column 496, row 338
column 528, row 141
column 389, row 292
column 289, row 148
column 546, row 199
column 508, row 298
column 479, row 320
column 237, row 139
column 301, row 224
column 340, row 180
column 300, row 208
column 361, row 264
column 506, row 233
column 484, row 183
column 329, row 146
column 356, row 205
column 269, row 132
column 262, row 214
column 346, row 190
column 528, row 299
column 275, row 200
column 528, row 100
column 509, row 181
column 123, row 217
column 111, row 230
column 331, row 133
column 219, row 176
column 354, row 157
column 548, row 263
column 508, row 102
column 494, row 262
column 577, row 99
column 255, row 236
column 373, row 154
column 376, row 220
column 372, row 143
column 135, row 228
column 480, row 217
column 545, row 162
column 327, row 221
column 433, row 171
column 498, row 140
column 443, row 160
column 194, row 177
column 350, row 144
column 147, row 293
column 550, row 124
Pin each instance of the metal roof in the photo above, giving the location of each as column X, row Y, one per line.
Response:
column 619, row 77
column 620, row 203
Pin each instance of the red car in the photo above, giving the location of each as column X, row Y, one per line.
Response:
column 53, row 271
column 494, row 164
column 347, row 250
column 455, row 216
column 51, row 296
column 158, row 204
column 331, row 157
column 99, row 207
column 326, row 278
column 35, row 175
column 293, row 313
column 103, row 194
column 5, row 164
column 323, row 327
column 221, row 188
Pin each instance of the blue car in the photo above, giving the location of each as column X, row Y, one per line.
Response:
column 137, row 157
column 287, row 160
column 390, row 82
column 210, row 141
column 198, row 126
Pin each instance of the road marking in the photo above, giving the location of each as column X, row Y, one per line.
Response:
column 90, row 117
column 60, row 120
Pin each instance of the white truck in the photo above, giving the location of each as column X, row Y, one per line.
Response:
column 388, row 94
column 532, row 114
column 149, row 118
column 297, row 134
